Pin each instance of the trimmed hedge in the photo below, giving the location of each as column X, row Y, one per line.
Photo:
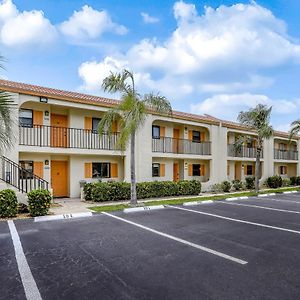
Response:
column 237, row 184
column 8, row 203
column 295, row 180
column 39, row 202
column 274, row 182
column 117, row 191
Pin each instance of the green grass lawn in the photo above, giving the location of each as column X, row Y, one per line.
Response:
column 116, row 207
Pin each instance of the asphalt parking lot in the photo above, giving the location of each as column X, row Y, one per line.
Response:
column 244, row 249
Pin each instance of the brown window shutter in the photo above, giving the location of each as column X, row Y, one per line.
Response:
column 202, row 137
column 253, row 170
column 38, row 117
column 88, row 123
column 113, row 170
column 162, row 170
column 202, row 171
column 190, row 135
column 38, row 168
column 245, row 169
column 114, row 127
column 228, row 169
column 88, row 170
column 190, row 170
column 162, row 131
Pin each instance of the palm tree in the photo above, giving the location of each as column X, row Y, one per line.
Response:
column 130, row 114
column 6, row 120
column 295, row 128
column 258, row 120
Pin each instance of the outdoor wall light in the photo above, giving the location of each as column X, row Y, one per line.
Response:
column 46, row 162
column 43, row 99
column 46, row 113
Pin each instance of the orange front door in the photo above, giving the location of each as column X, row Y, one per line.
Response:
column 59, row 178
column 237, row 171
column 59, row 131
column 175, row 140
column 176, row 172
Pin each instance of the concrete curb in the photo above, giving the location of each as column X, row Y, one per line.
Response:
column 142, row 208
column 63, row 217
column 197, row 202
column 266, row 195
column 237, row 198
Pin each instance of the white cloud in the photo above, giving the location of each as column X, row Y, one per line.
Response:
column 149, row 19
column 89, row 23
column 227, row 106
column 23, row 28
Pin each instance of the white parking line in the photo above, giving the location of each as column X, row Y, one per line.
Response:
column 199, row 247
column 280, row 200
column 29, row 284
column 235, row 220
column 262, row 207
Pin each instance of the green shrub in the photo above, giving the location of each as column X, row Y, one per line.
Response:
column 237, row 185
column 286, row 182
column 293, row 180
column 250, row 182
column 39, row 202
column 117, row 191
column 216, row 188
column 274, row 182
column 226, row 186
column 8, row 203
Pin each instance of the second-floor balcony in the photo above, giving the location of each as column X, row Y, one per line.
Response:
column 64, row 137
column 180, row 146
column 286, row 154
column 248, row 152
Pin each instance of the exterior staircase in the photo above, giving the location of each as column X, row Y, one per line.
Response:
column 13, row 176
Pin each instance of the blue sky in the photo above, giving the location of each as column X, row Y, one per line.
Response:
column 215, row 57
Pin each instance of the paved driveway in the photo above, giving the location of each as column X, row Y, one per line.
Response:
column 245, row 249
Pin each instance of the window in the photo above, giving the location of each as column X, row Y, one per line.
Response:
column 25, row 117
column 196, row 170
column 28, row 166
column 155, row 170
column 95, row 123
column 100, row 170
column 155, row 132
column 249, row 170
column 196, row 136
column 282, row 146
column 282, row 170
column 249, row 144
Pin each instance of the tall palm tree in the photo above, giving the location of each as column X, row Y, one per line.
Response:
column 258, row 120
column 130, row 114
column 295, row 128
column 6, row 119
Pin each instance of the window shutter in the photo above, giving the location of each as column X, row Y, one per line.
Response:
column 88, row 170
column 162, row 131
column 114, row 127
column 202, row 170
column 88, row 123
column 253, row 170
column 202, row 137
column 162, row 170
column 113, row 170
column 190, row 135
column 228, row 169
column 245, row 169
column 38, row 168
column 190, row 170
column 38, row 117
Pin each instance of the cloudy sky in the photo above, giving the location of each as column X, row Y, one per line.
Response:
column 206, row 56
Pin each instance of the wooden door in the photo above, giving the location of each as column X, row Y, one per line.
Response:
column 176, row 172
column 237, row 171
column 59, row 178
column 175, row 140
column 59, row 131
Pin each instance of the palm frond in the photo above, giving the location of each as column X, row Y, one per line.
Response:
column 117, row 82
column 105, row 125
column 295, row 129
column 158, row 103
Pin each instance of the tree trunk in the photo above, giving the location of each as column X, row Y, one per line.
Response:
column 133, row 199
column 257, row 169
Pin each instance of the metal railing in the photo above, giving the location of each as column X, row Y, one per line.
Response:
column 286, row 154
column 64, row 137
column 234, row 151
column 180, row 146
column 24, row 180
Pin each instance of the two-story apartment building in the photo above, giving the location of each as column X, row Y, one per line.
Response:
column 57, row 145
